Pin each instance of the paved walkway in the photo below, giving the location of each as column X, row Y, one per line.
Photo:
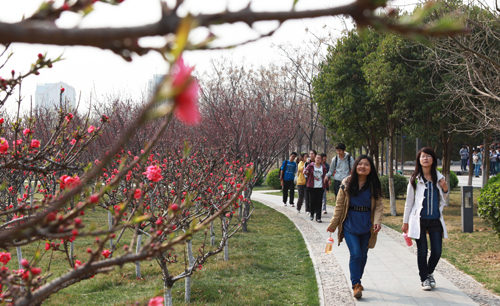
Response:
column 391, row 274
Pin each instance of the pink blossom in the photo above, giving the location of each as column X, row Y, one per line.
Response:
column 18, row 142
column 91, row 129
column 186, row 102
column 35, row 143
column 153, row 173
column 26, row 132
column 69, row 182
column 4, row 145
column 156, row 301
column 77, row 263
column 137, row 193
column 5, row 258
column 73, row 141
column 106, row 253
column 1, row 120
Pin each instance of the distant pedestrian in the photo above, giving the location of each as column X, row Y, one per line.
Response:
column 287, row 177
column 327, row 166
column 498, row 158
column 340, row 167
column 315, row 186
column 493, row 162
column 464, row 157
column 301, row 181
column 477, row 159
column 358, row 216
column 312, row 157
column 425, row 198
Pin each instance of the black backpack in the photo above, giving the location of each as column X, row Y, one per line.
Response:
column 348, row 162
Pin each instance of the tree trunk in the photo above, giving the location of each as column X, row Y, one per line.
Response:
column 226, row 250
column 382, row 159
column 486, row 159
column 447, row 142
column 187, row 293
column 390, row 167
column 402, row 153
column 110, row 223
column 138, row 263
column 212, row 232
column 167, row 295
column 19, row 257
column 471, row 166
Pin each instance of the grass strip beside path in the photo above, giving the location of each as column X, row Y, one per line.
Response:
column 269, row 265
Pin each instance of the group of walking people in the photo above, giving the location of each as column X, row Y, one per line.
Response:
column 359, row 208
column 478, row 159
column 314, row 177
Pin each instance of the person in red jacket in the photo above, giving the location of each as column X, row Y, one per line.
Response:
column 315, row 186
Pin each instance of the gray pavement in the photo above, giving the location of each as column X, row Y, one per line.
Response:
column 391, row 274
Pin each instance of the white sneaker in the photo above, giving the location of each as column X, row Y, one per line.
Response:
column 432, row 281
column 285, row 204
column 425, row 285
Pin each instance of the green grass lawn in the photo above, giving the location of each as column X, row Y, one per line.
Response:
column 269, row 265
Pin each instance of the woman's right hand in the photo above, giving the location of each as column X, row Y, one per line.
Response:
column 404, row 228
column 330, row 230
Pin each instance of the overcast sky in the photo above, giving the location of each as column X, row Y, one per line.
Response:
column 88, row 69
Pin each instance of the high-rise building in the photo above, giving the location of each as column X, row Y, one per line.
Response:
column 48, row 95
column 153, row 83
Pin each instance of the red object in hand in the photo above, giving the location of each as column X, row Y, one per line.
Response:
column 407, row 239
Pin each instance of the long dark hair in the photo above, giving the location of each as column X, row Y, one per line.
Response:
column 418, row 167
column 372, row 180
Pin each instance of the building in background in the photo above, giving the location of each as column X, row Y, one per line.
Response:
column 154, row 83
column 47, row 95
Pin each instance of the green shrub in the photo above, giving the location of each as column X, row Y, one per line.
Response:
column 493, row 179
column 273, row 179
column 453, row 178
column 400, row 185
column 260, row 181
column 489, row 204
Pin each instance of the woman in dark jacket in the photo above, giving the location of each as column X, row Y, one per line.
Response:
column 358, row 216
column 315, row 176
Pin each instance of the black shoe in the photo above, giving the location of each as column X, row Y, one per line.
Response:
column 319, row 221
column 312, row 218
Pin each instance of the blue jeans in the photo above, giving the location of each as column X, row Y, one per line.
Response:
column 427, row 267
column 358, row 249
column 476, row 169
column 493, row 168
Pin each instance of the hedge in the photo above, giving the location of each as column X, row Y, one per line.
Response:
column 273, row 179
column 489, row 204
column 400, row 185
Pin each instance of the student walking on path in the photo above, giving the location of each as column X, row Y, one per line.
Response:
column 464, row 157
column 312, row 157
column 327, row 186
column 477, row 159
column 287, row 177
column 358, row 216
column 340, row 167
column 493, row 161
column 315, row 186
column 425, row 198
column 301, row 182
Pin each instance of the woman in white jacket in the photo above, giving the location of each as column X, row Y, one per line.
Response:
column 426, row 196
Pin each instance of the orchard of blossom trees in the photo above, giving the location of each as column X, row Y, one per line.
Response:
column 161, row 171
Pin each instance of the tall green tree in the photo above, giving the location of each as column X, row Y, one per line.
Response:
column 340, row 91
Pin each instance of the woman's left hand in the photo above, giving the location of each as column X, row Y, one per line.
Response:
column 376, row 228
column 444, row 186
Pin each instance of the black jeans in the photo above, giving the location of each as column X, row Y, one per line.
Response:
column 336, row 188
column 288, row 186
column 315, row 198
column 302, row 196
column 427, row 267
column 463, row 166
